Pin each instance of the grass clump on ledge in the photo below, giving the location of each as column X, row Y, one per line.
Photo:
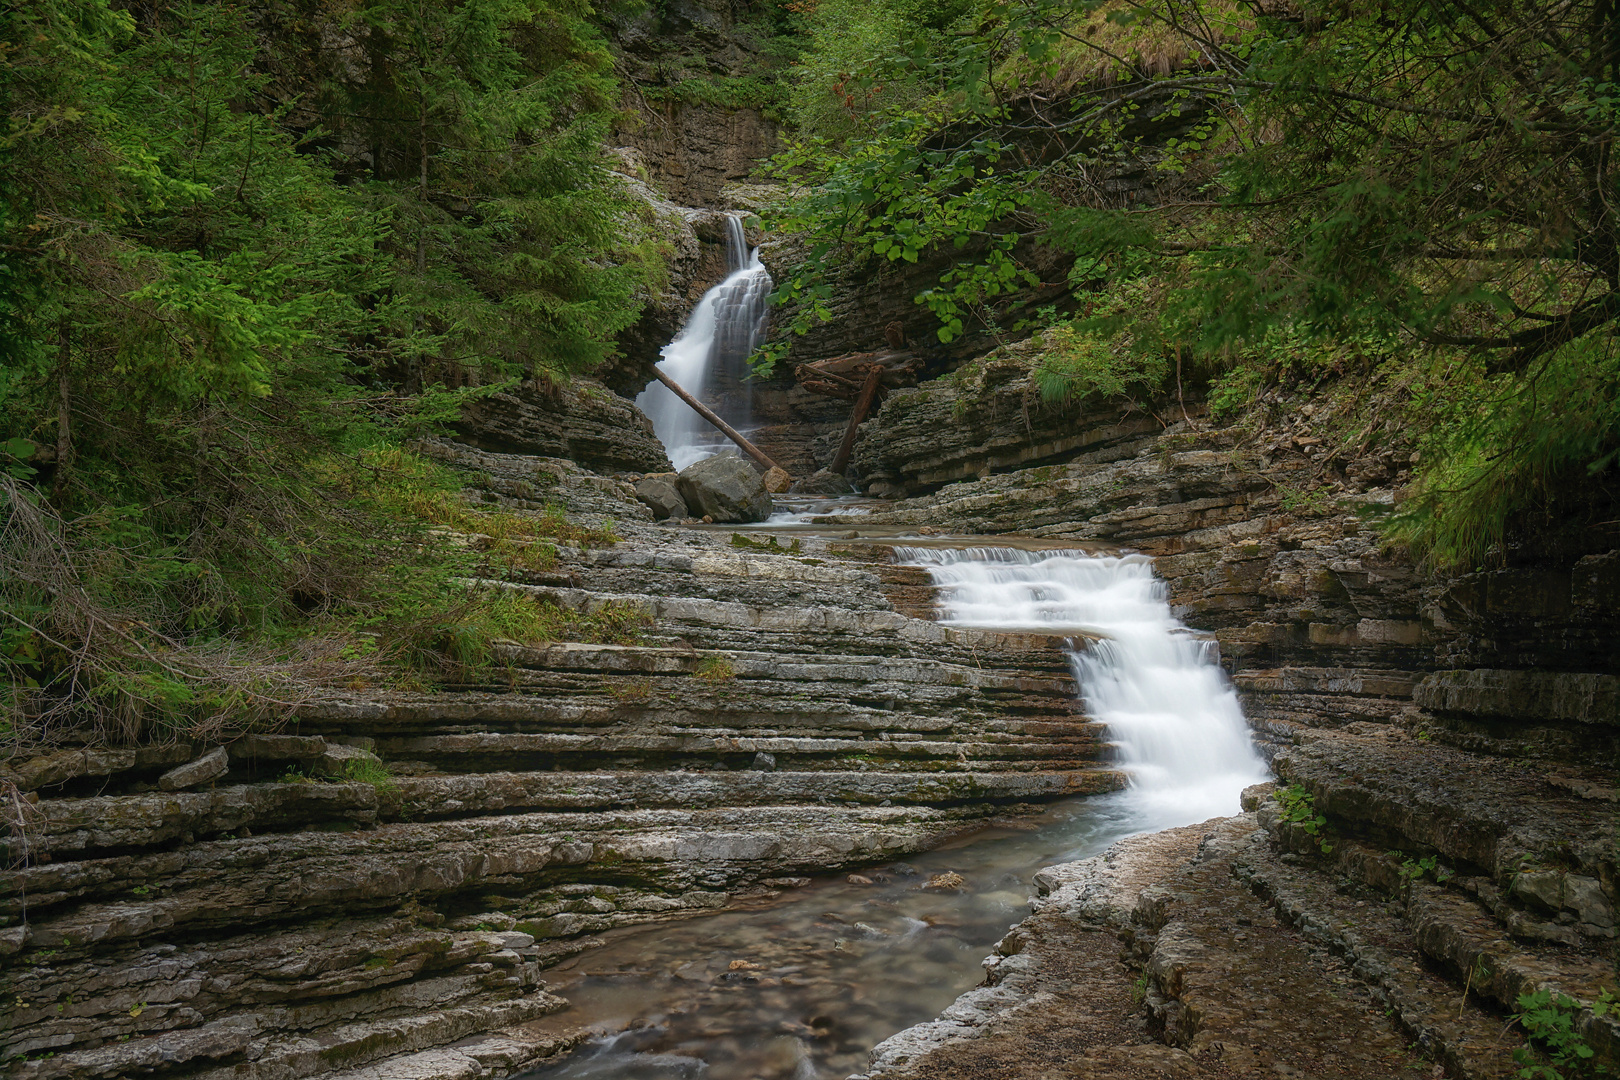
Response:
column 715, row 669
column 462, row 641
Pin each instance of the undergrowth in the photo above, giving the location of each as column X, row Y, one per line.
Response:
column 715, row 669
column 1299, row 808
column 462, row 641
column 1551, row 1022
column 114, row 635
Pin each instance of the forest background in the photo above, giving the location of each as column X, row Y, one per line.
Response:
column 248, row 253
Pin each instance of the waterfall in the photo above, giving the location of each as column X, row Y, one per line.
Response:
column 711, row 350
column 1169, row 710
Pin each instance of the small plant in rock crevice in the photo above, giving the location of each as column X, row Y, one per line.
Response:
column 1416, row 869
column 716, row 669
column 745, row 543
column 370, row 771
column 1299, row 808
column 631, row 691
column 1550, row 1021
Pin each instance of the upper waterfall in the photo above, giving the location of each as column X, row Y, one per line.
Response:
column 721, row 333
column 1172, row 715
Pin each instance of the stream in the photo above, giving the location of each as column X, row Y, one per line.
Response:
column 802, row 984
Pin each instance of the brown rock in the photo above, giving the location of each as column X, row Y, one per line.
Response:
column 777, row 481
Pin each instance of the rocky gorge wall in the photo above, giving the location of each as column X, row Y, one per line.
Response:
column 1266, row 538
column 376, row 889
column 1455, row 737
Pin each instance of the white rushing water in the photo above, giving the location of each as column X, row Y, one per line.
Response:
column 1169, row 709
column 721, row 333
column 842, row 963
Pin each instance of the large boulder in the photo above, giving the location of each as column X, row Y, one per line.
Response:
column 823, row 482
column 725, row 488
column 657, row 492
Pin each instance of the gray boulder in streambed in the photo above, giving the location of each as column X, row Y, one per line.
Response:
column 657, row 491
column 725, row 488
column 823, row 482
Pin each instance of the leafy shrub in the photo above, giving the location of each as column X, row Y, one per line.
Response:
column 1549, row 1020
column 1299, row 808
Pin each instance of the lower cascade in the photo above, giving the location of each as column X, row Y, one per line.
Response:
column 719, row 336
column 803, row 988
column 1174, row 719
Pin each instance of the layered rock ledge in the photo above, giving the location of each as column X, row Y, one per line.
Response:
column 262, row 913
column 1240, row 948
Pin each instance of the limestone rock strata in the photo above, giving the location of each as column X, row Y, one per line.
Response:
column 1241, row 948
column 777, row 719
column 986, row 418
column 581, row 421
column 1157, row 958
column 1266, row 540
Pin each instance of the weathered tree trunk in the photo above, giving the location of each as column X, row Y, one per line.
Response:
column 863, row 405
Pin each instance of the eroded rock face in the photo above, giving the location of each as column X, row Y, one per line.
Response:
column 692, row 149
column 725, row 488
column 823, row 482
column 777, row 720
column 1263, row 539
column 583, row 421
column 987, row 419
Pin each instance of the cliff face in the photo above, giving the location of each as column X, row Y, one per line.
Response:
column 697, row 72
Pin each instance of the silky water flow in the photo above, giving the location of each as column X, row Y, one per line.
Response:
column 835, row 967
column 712, row 349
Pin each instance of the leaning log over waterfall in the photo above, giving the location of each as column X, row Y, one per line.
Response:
column 708, row 414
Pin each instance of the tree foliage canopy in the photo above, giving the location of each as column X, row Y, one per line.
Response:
column 1435, row 175
column 239, row 246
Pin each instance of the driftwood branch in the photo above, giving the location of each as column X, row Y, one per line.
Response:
column 845, row 376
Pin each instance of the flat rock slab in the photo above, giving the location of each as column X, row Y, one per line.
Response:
column 211, row 766
column 1156, row 960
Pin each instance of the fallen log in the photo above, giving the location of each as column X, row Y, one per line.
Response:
column 708, row 414
column 843, row 376
column 893, row 361
column 863, row 405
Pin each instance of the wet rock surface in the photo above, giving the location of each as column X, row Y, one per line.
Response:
column 1209, row 951
column 778, row 720
column 725, row 488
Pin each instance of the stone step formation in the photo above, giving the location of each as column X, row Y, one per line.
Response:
column 1240, row 948
column 253, row 910
column 1456, row 736
column 792, row 712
